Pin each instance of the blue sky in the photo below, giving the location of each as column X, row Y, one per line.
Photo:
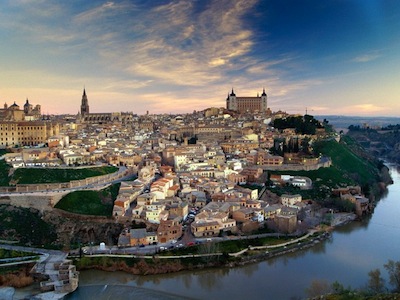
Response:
column 329, row 57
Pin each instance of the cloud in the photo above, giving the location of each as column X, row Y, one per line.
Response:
column 100, row 13
column 183, row 46
column 189, row 52
column 366, row 57
column 365, row 108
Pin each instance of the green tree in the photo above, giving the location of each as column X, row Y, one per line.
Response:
column 393, row 268
column 318, row 288
column 376, row 284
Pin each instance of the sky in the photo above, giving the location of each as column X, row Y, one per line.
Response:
column 323, row 57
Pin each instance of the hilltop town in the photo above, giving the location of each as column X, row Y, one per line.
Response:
column 217, row 172
column 119, row 182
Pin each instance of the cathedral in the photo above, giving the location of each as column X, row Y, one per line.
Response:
column 102, row 118
column 247, row 104
column 14, row 113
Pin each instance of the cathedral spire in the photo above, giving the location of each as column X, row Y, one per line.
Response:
column 84, row 104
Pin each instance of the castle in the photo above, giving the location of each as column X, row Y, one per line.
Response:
column 247, row 104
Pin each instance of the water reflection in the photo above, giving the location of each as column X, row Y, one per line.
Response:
column 100, row 292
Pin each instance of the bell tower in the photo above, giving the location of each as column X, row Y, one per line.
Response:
column 84, row 104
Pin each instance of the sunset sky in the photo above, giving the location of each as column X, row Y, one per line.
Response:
column 329, row 57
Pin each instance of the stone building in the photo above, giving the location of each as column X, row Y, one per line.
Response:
column 247, row 104
column 286, row 220
column 24, row 127
column 26, row 133
column 14, row 113
column 102, row 118
column 169, row 230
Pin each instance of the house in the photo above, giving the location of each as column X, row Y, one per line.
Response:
column 137, row 237
column 362, row 204
column 252, row 174
column 178, row 208
column 137, row 212
column 173, row 190
column 243, row 215
column 286, row 223
column 290, row 200
column 204, row 221
column 198, row 198
column 146, row 199
column 155, row 212
column 205, row 228
column 168, row 230
column 121, row 205
column 271, row 211
column 161, row 187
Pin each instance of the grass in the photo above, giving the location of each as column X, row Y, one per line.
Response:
column 4, row 169
column 347, row 161
column 96, row 203
column 232, row 246
column 5, row 253
column 347, row 169
column 44, row 175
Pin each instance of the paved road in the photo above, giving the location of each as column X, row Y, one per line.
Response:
column 45, row 254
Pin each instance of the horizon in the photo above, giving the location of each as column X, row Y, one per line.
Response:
column 329, row 58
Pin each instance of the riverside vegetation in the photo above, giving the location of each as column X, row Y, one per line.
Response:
column 375, row 288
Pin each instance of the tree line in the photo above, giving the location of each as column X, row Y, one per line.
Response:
column 375, row 287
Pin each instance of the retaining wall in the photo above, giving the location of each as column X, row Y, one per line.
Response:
column 293, row 167
column 39, row 202
column 103, row 179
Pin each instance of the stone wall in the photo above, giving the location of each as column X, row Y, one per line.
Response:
column 52, row 192
column 103, row 179
column 294, row 167
column 39, row 202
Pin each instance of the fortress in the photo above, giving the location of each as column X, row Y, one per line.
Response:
column 247, row 104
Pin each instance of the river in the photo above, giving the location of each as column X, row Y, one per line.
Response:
column 347, row 257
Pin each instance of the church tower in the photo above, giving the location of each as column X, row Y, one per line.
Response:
column 84, row 104
column 264, row 98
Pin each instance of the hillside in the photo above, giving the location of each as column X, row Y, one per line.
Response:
column 351, row 165
column 47, row 175
column 97, row 203
column 384, row 144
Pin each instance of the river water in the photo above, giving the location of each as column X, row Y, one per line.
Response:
column 347, row 257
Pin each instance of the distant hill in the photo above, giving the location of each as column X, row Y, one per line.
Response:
column 343, row 122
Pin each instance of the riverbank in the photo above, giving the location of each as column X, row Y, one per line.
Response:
column 210, row 257
column 158, row 265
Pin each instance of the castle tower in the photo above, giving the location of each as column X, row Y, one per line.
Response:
column 84, row 104
column 264, row 106
column 231, row 101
